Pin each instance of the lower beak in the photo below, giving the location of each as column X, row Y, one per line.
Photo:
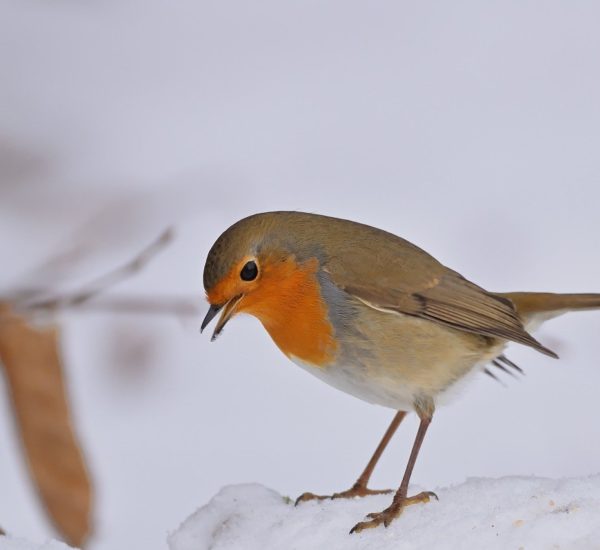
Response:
column 228, row 311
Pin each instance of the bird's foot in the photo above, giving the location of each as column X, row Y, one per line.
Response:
column 356, row 491
column 392, row 512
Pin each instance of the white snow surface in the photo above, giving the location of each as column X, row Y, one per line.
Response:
column 10, row 543
column 509, row 512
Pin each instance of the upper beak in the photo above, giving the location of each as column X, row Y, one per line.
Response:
column 228, row 311
column 210, row 315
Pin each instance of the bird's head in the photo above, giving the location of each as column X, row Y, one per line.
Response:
column 261, row 265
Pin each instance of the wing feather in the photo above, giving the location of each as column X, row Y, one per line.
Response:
column 414, row 283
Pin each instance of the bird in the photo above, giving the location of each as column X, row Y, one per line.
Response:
column 373, row 315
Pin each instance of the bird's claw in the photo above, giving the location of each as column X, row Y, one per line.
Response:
column 377, row 519
column 305, row 497
column 392, row 512
column 360, row 492
column 355, row 492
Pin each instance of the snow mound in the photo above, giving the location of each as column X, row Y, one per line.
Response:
column 10, row 543
column 512, row 512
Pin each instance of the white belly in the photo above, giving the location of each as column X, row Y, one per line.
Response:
column 351, row 379
column 391, row 393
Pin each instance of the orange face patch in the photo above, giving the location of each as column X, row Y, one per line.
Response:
column 286, row 298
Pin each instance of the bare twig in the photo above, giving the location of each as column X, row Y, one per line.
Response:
column 101, row 284
column 87, row 298
column 153, row 305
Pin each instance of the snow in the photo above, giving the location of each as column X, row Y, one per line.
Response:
column 10, row 543
column 509, row 512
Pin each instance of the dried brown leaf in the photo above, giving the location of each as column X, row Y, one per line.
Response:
column 33, row 366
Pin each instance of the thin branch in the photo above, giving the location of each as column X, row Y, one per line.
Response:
column 121, row 304
column 153, row 305
column 110, row 279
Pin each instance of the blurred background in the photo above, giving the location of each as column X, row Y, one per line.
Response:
column 469, row 128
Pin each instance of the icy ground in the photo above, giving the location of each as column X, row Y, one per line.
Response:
column 508, row 513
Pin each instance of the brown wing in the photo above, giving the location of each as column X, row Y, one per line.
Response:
column 401, row 277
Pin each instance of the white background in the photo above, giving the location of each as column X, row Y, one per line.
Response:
column 472, row 129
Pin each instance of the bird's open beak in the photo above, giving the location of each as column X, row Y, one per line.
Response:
column 228, row 311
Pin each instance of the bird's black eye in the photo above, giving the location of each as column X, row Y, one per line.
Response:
column 249, row 271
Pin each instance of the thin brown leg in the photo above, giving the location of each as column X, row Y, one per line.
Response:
column 359, row 489
column 400, row 498
column 363, row 479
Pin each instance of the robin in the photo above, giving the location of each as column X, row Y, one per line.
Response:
column 372, row 315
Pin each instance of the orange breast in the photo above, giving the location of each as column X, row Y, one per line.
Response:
column 289, row 304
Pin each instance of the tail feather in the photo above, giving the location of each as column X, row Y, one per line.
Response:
column 540, row 302
column 536, row 307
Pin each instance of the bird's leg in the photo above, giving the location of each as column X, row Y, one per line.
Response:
column 359, row 489
column 400, row 498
